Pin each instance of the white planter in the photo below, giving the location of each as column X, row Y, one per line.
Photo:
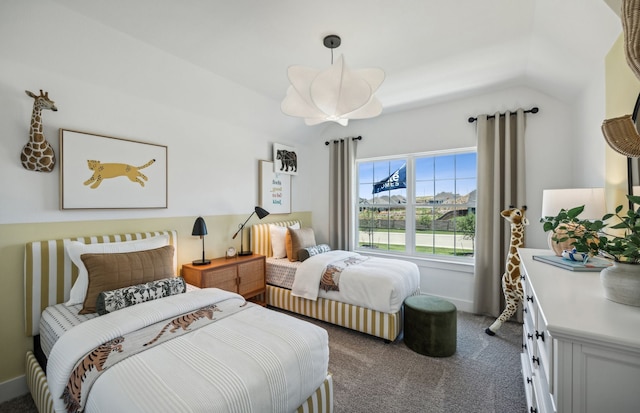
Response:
column 621, row 283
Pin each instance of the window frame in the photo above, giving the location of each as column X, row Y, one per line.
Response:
column 410, row 206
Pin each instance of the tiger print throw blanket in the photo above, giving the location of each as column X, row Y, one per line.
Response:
column 93, row 364
column 330, row 280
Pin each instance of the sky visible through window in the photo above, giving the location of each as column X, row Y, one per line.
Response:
column 455, row 173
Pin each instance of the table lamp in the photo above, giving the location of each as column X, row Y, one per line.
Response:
column 261, row 214
column 200, row 229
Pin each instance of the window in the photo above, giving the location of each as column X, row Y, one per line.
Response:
column 418, row 204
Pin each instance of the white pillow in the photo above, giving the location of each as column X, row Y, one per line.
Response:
column 76, row 248
column 278, row 241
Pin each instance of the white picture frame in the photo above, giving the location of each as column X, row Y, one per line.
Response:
column 285, row 159
column 275, row 189
column 102, row 172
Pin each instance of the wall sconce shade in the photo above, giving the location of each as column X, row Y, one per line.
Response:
column 200, row 229
column 335, row 94
column 261, row 213
column 553, row 200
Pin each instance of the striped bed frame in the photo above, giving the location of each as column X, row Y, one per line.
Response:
column 48, row 277
column 384, row 325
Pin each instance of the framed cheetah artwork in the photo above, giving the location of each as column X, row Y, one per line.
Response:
column 102, row 172
column 285, row 159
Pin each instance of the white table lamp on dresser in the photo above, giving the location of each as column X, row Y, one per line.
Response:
column 581, row 351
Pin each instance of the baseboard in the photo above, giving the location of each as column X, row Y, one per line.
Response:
column 13, row 388
column 461, row 305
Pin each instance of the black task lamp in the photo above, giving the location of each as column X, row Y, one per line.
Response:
column 200, row 229
column 261, row 214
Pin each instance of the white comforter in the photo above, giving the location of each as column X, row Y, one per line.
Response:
column 255, row 360
column 380, row 284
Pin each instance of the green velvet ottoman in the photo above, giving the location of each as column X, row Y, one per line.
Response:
column 430, row 325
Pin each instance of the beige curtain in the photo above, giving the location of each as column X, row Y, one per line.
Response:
column 501, row 183
column 341, row 192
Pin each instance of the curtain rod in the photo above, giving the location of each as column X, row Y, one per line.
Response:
column 532, row 110
column 357, row 138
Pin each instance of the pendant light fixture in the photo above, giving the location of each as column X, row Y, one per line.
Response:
column 335, row 94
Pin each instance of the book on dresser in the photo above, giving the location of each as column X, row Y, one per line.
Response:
column 593, row 264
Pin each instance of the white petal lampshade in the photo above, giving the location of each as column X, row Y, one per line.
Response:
column 336, row 94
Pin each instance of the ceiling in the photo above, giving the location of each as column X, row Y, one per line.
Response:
column 430, row 50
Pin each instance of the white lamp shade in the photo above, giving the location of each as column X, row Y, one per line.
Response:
column 553, row 200
column 336, row 94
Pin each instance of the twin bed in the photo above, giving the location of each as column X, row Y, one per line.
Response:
column 375, row 307
column 205, row 349
column 162, row 345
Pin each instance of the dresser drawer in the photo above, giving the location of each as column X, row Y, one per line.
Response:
column 527, row 377
column 251, row 277
column 223, row 278
column 538, row 348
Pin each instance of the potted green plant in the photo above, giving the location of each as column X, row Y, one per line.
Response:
column 616, row 236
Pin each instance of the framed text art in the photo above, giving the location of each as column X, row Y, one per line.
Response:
column 275, row 190
column 101, row 172
column 285, row 159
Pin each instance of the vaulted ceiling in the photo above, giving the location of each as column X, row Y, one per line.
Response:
column 430, row 50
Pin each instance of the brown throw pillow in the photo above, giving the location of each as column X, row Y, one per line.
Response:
column 112, row 271
column 298, row 239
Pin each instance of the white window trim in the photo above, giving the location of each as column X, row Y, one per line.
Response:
column 410, row 207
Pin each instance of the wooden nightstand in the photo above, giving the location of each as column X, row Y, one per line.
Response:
column 243, row 275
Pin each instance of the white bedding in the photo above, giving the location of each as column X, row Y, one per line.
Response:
column 254, row 360
column 57, row 320
column 380, row 284
column 60, row 318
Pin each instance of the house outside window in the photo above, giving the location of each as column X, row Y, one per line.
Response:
column 419, row 204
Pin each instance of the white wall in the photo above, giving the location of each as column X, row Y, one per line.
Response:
column 589, row 143
column 550, row 162
column 106, row 83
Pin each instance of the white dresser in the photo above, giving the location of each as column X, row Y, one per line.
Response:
column 581, row 352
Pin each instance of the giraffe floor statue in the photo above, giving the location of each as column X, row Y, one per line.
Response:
column 37, row 155
column 511, row 285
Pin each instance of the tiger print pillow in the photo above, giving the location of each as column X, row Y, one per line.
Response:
column 109, row 301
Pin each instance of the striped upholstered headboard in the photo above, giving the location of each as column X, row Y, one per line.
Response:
column 49, row 272
column 261, row 237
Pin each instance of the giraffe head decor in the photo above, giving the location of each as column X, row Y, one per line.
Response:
column 511, row 285
column 37, row 155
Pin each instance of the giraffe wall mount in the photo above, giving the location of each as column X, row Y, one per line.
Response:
column 38, row 155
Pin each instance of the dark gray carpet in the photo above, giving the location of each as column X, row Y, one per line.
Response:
column 372, row 376
column 484, row 375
